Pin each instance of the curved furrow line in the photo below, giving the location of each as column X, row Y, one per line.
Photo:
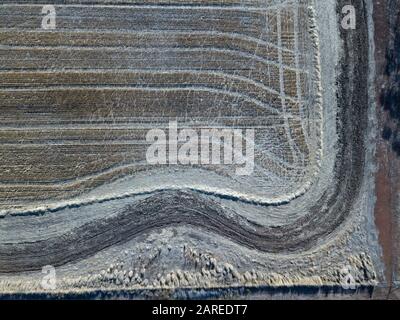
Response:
column 241, row 53
column 161, row 210
column 144, row 88
column 181, row 6
column 211, row 36
column 159, row 33
column 120, row 172
column 226, row 52
column 216, row 74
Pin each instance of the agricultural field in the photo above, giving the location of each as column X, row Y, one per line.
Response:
column 196, row 149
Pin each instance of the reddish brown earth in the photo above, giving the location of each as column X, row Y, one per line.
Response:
column 388, row 164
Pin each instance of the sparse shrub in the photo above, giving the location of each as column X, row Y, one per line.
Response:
column 386, row 133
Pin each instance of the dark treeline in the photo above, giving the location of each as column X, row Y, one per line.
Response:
column 390, row 95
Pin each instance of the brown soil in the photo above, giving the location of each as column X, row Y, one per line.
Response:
column 387, row 176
